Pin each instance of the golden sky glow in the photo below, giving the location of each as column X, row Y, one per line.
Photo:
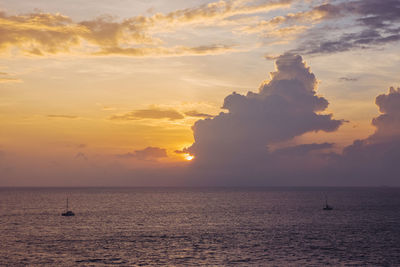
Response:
column 99, row 82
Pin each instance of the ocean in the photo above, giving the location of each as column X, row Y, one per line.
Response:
column 200, row 227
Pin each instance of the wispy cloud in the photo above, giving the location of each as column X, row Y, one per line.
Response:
column 348, row 79
column 150, row 113
column 61, row 116
column 320, row 29
column 374, row 23
column 7, row 78
column 168, row 51
column 44, row 33
column 195, row 113
column 292, row 23
column 219, row 10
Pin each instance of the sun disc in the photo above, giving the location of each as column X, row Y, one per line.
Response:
column 189, row 157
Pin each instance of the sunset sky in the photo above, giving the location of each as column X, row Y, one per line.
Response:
column 130, row 92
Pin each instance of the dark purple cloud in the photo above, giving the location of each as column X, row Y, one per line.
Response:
column 237, row 141
column 367, row 162
column 375, row 23
column 378, row 155
column 233, row 148
column 375, row 160
column 302, row 149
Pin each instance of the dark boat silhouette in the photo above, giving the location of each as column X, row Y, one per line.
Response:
column 327, row 207
column 67, row 212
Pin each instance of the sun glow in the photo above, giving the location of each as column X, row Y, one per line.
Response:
column 189, row 157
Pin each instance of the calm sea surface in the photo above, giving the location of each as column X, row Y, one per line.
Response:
column 208, row 226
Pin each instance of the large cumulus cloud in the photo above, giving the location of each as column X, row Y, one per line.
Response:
column 235, row 147
column 286, row 106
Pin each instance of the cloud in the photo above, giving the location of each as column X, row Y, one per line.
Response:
column 359, row 40
column 150, row 113
column 375, row 23
column 247, row 145
column 42, row 34
column 387, row 124
column 374, row 160
column 167, row 51
column 4, row 78
column 292, row 23
column 302, row 149
column 37, row 33
column 286, row 106
column 195, row 113
column 325, row 28
column 220, row 10
column 9, row 80
column 149, row 153
column 70, row 145
column 235, row 147
column 348, row 79
column 61, row 116
column 81, row 156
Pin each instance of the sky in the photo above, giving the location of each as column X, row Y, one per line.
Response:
column 199, row 93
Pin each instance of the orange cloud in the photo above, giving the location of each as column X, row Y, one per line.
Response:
column 151, row 113
column 9, row 80
column 195, row 113
column 60, row 116
column 167, row 51
column 217, row 11
column 5, row 78
column 44, row 33
column 39, row 33
column 296, row 23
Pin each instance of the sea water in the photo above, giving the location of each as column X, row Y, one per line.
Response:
column 200, row 227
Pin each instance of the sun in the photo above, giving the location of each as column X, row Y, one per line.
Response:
column 189, row 157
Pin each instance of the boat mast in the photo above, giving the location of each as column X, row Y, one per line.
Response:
column 67, row 203
column 326, row 201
